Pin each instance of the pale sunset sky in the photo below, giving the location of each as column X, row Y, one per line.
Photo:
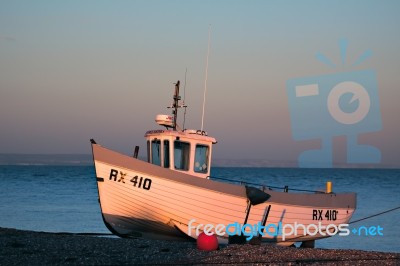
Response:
column 75, row 70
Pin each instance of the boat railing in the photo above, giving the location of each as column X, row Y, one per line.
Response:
column 265, row 187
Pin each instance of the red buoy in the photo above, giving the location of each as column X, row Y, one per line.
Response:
column 206, row 242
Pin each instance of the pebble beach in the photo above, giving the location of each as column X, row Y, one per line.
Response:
column 18, row 247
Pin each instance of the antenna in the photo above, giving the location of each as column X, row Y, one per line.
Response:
column 184, row 97
column 205, row 81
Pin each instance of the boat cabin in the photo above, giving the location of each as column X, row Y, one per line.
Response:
column 186, row 151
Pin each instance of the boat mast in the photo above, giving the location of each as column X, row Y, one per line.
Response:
column 175, row 104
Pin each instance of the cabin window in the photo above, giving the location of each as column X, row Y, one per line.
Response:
column 181, row 155
column 148, row 151
column 201, row 159
column 166, row 153
column 156, row 152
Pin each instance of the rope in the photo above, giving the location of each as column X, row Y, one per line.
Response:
column 374, row 215
column 261, row 185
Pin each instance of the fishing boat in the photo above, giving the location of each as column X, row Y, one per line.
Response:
column 172, row 196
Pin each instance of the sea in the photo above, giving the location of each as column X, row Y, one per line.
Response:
column 53, row 198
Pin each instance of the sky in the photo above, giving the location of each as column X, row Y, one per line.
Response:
column 75, row 70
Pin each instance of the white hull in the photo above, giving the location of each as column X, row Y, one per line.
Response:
column 164, row 201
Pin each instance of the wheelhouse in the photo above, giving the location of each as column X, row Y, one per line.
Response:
column 186, row 151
